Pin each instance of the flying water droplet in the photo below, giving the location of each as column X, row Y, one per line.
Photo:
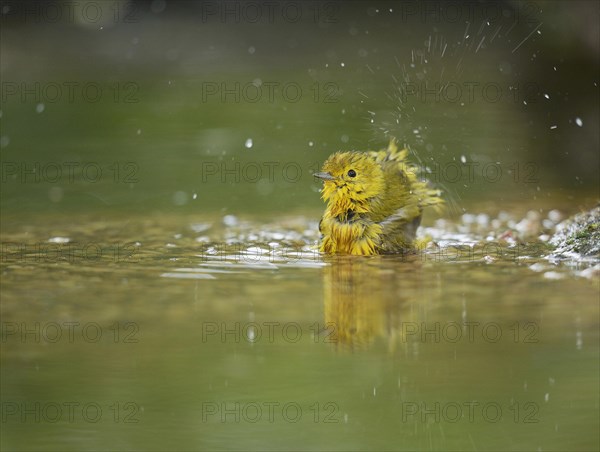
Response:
column 180, row 198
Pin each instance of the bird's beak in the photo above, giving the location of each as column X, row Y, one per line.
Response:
column 324, row 176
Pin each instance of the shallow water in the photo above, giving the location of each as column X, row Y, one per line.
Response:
column 232, row 333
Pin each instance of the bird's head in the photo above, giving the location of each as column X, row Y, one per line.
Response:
column 351, row 179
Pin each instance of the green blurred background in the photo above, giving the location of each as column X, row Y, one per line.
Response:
column 164, row 98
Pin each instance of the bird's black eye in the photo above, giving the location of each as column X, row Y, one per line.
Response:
column 352, row 173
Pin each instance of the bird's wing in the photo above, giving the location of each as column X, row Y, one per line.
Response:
column 400, row 229
column 402, row 215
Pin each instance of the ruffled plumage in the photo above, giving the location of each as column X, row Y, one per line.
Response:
column 374, row 202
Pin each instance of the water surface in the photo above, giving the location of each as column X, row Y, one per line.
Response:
column 233, row 334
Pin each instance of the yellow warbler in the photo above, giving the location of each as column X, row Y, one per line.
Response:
column 374, row 202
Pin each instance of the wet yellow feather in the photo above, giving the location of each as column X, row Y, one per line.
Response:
column 374, row 202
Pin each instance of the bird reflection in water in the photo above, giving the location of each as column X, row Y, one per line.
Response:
column 366, row 298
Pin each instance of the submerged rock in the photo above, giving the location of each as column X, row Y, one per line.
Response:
column 579, row 234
